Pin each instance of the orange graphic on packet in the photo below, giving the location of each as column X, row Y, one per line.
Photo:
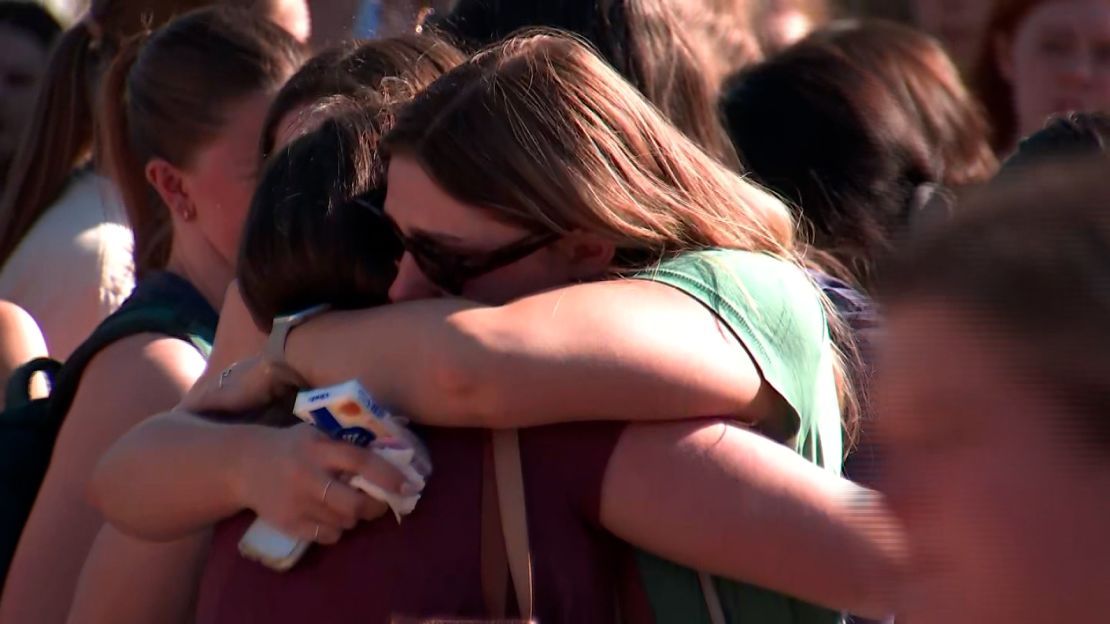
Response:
column 349, row 408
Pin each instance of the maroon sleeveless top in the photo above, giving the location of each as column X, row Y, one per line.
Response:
column 430, row 564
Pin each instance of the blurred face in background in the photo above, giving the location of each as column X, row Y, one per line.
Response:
column 1058, row 61
column 1004, row 508
column 22, row 64
column 958, row 24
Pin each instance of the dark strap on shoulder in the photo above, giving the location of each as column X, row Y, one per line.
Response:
column 18, row 390
column 123, row 324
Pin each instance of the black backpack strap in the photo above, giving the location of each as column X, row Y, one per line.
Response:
column 18, row 391
column 123, row 324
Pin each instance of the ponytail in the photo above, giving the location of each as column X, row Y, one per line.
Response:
column 149, row 218
column 58, row 140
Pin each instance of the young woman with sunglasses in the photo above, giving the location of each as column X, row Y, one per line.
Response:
column 579, row 352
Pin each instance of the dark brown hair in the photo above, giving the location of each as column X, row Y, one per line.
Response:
column 407, row 63
column 1065, row 138
column 316, row 232
column 167, row 97
column 920, row 73
column 60, row 135
column 30, row 18
column 1030, row 259
column 992, row 87
column 647, row 41
column 827, row 134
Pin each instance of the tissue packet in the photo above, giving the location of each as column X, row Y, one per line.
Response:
column 347, row 412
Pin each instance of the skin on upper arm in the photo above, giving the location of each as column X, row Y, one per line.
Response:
column 129, row 581
column 127, row 382
column 619, row 349
column 20, row 342
column 720, row 498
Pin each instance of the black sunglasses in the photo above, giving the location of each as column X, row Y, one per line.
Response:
column 450, row 270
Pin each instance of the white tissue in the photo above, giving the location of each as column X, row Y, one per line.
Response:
column 401, row 459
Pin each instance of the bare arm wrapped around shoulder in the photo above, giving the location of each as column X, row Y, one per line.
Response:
column 615, row 350
column 720, row 498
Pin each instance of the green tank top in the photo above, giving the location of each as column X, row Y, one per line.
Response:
column 775, row 311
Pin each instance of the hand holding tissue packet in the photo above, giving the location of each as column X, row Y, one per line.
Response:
column 347, row 412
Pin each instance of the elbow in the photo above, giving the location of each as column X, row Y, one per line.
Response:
column 462, row 378
column 103, row 493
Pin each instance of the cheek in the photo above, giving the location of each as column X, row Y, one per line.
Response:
column 536, row 273
column 410, row 283
column 222, row 207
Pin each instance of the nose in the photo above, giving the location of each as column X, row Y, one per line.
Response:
column 411, row 283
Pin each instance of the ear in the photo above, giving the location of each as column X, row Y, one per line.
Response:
column 169, row 182
column 1003, row 48
column 585, row 255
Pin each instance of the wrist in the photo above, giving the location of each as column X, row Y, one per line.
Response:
column 244, row 444
column 296, row 358
column 277, row 345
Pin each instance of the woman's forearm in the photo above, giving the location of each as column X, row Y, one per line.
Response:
column 172, row 476
column 581, row 353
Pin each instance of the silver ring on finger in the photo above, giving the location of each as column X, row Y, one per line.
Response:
column 316, row 534
column 225, row 374
column 327, row 487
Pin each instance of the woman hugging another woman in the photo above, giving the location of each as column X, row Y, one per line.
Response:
column 579, row 224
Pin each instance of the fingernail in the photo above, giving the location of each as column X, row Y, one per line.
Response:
column 391, row 443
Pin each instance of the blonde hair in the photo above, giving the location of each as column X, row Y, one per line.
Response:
column 542, row 133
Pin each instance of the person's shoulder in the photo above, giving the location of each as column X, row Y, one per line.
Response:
column 756, row 286
column 729, row 265
column 144, row 361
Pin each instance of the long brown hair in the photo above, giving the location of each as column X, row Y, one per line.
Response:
column 166, row 98
column 988, row 80
column 920, row 73
column 651, row 43
column 830, row 137
column 542, row 133
column 315, row 233
column 60, row 135
column 400, row 65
